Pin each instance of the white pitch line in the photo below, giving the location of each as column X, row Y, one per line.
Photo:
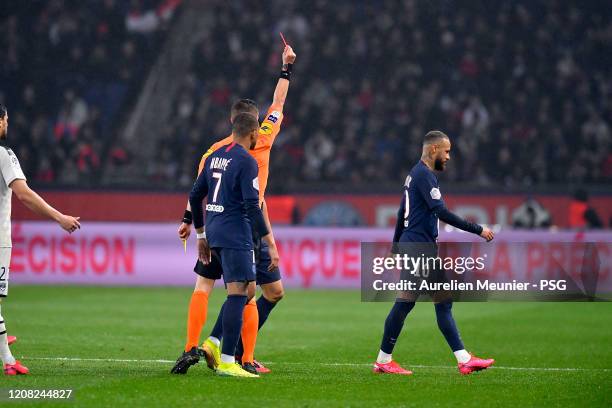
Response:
column 105, row 360
column 121, row 360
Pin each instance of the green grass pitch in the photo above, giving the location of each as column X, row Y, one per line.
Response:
column 319, row 344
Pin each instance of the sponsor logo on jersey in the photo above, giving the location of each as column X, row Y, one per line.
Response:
column 208, row 153
column 274, row 117
column 435, row 193
column 265, row 129
column 215, row 208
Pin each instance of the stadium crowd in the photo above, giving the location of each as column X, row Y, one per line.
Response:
column 68, row 68
column 524, row 88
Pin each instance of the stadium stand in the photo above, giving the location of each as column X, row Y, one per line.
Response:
column 526, row 93
column 71, row 67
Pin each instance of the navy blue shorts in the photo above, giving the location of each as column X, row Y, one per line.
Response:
column 238, row 264
column 214, row 270
column 432, row 273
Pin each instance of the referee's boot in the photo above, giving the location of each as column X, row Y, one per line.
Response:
column 186, row 360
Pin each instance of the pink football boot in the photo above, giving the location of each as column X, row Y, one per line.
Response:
column 390, row 368
column 475, row 364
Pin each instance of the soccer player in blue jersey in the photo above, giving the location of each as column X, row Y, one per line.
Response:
column 417, row 222
column 230, row 181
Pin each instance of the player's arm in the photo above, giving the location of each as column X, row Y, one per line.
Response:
column 196, row 197
column 39, row 206
column 399, row 226
column 433, row 197
column 450, row 218
column 250, row 194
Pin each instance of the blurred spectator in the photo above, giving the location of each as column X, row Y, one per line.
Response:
column 525, row 104
column 71, row 116
column 68, row 68
column 581, row 215
column 524, row 88
column 531, row 215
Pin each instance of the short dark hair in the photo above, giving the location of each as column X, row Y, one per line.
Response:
column 244, row 106
column 434, row 136
column 244, row 123
column 2, row 111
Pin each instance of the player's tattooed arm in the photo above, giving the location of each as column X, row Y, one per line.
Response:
column 282, row 87
column 204, row 253
column 452, row 219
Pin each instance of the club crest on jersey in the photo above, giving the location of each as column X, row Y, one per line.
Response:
column 12, row 156
column 265, row 129
column 435, row 193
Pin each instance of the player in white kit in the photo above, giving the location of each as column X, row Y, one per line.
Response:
column 13, row 180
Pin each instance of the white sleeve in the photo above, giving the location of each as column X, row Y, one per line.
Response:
column 9, row 165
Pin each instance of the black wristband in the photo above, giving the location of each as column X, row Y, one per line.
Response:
column 286, row 71
column 187, row 217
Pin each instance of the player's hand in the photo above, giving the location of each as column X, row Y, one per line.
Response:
column 204, row 251
column 288, row 55
column 487, row 234
column 275, row 259
column 184, row 231
column 69, row 223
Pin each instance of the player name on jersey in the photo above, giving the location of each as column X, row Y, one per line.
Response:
column 219, row 163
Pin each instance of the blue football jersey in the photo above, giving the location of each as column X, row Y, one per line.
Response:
column 229, row 181
column 417, row 219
